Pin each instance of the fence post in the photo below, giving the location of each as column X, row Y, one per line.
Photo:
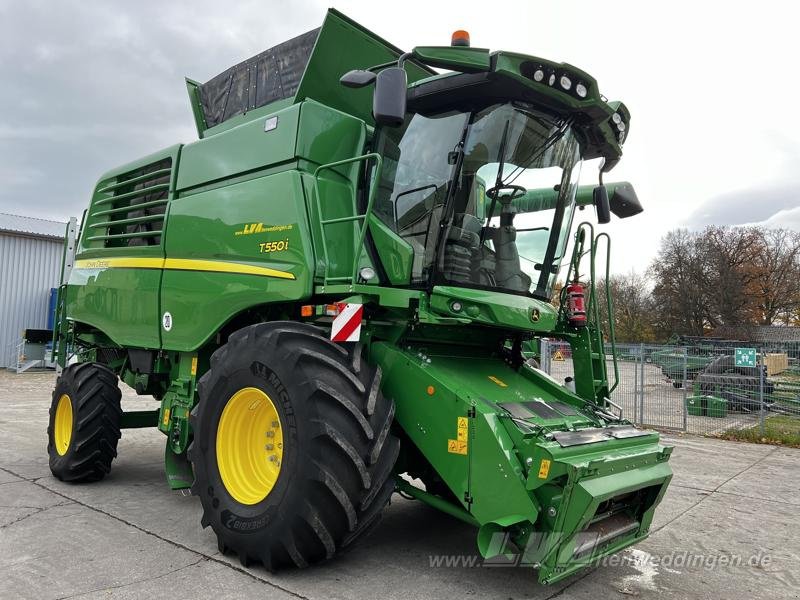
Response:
column 641, row 385
column 685, row 385
column 761, row 391
column 544, row 348
column 636, row 360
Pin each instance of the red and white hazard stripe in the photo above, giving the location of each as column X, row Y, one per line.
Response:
column 347, row 325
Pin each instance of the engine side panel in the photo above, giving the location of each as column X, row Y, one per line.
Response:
column 231, row 248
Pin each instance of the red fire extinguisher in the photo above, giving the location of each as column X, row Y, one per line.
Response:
column 576, row 305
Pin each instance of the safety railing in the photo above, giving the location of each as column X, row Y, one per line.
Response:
column 364, row 217
column 586, row 244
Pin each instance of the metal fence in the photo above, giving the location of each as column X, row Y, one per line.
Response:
column 701, row 389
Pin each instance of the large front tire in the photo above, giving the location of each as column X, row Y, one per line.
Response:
column 292, row 452
column 84, row 423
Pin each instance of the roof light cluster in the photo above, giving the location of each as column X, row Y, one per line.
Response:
column 617, row 121
column 559, row 79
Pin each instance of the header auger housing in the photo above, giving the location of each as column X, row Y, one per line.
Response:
column 333, row 292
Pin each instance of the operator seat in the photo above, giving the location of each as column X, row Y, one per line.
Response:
column 508, row 273
column 463, row 242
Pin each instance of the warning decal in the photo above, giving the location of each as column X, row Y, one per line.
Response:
column 544, row 468
column 459, row 445
column 499, row 382
column 456, row 447
column 347, row 324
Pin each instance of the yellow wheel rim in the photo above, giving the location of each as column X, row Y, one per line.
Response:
column 62, row 428
column 249, row 445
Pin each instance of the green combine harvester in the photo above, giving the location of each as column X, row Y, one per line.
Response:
column 329, row 293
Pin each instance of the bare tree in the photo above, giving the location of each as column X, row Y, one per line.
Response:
column 728, row 254
column 680, row 299
column 633, row 307
column 775, row 276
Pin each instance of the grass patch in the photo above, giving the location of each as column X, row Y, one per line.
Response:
column 779, row 430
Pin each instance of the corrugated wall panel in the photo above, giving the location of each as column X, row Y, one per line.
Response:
column 29, row 267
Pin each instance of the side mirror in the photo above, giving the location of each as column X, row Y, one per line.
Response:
column 357, row 78
column 624, row 202
column 601, row 205
column 389, row 101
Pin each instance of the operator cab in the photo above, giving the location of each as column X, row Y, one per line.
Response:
column 484, row 195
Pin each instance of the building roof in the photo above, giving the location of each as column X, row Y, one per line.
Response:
column 31, row 226
column 759, row 333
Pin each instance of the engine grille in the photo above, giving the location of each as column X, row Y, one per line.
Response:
column 129, row 211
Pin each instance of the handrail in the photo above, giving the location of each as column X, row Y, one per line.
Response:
column 593, row 303
column 373, row 188
column 580, row 251
column 612, row 335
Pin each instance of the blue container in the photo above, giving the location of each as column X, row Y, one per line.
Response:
column 51, row 308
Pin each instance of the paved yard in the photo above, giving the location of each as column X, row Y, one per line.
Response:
column 728, row 528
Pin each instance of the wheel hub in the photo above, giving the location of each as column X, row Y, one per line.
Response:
column 62, row 427
column 249, row 445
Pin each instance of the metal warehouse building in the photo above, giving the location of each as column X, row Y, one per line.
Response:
column 30, row 265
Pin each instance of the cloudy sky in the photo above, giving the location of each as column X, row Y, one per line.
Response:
column 712, row 87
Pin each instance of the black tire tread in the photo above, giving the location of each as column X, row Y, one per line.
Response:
column 351, row 454
column 96, row 430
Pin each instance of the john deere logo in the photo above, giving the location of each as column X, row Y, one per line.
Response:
column 535, row 315
column 251, row 228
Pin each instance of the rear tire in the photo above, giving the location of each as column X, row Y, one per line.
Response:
column 84, row 423
column 337, row 453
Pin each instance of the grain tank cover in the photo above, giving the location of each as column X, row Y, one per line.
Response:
column 307, row 66
column 272, row 75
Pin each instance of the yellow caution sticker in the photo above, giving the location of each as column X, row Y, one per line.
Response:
column 462, row 429
column 558, row 355
column 165, row 420
column 459, row 445
column 544, row 468
column 194, row 365
column 498, row 381
column 456, row 447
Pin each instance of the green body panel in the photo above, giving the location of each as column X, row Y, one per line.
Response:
column 241, row 149
column 122, row 303
column 497, row 475
column 466, row 60
column 546, row 198
column 492, row 308
column 210, row 225
column 344, row 45
column 193, row 89
column 397, row 255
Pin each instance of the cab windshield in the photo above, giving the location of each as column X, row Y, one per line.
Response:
column 484, row 198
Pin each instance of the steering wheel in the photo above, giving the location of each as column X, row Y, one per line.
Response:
column 517, row 191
